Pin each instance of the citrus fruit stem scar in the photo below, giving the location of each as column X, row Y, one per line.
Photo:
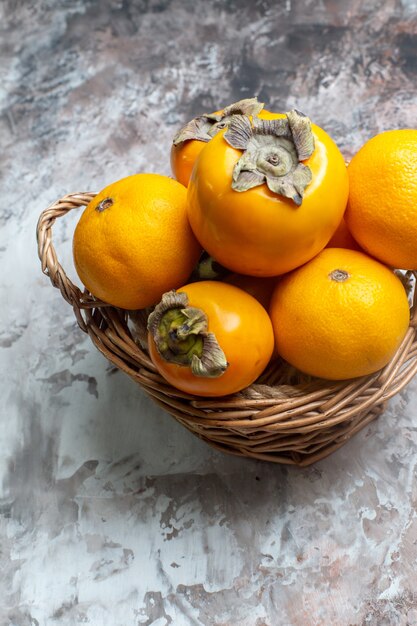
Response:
column 339, row 276
column 181, row 336
column 104, row 204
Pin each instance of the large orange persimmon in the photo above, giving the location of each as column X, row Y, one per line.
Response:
column 266, row 195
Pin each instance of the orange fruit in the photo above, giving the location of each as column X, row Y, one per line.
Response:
column 133, row 241
column 191, row 139
column 342, row 238
column 339, row 316
column 382, row 207
column 236, row 321
column 260, row 287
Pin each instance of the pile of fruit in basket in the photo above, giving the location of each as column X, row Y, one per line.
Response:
column 265, row 246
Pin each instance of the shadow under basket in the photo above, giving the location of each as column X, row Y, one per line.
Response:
column 285, row 417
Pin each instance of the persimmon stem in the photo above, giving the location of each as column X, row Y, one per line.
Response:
column 206, row 126
column 181, row 336
column 272, row 153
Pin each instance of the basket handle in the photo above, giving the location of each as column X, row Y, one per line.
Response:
column 50, row 265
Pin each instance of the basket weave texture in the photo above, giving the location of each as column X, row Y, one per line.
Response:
column 285, row 417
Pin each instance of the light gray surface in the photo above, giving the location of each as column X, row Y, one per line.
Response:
column 111, row 513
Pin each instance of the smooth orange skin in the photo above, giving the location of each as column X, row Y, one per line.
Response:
column 270, row 115
column 260, row 287
column 342, row 238
column 257, row 232
column 183, row 158
column 243, row 330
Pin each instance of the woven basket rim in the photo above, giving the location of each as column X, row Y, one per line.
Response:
column 283, row 417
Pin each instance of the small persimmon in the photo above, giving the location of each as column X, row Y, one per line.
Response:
column 210, row 338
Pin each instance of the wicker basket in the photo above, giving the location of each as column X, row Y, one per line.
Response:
column 285, row 417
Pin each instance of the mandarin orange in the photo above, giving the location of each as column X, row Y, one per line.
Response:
column 339, row 316
column 133, row 241
column 382, row 206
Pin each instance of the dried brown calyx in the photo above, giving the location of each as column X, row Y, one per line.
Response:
column 181, row 336
column 206, row 126
column 273, row 151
